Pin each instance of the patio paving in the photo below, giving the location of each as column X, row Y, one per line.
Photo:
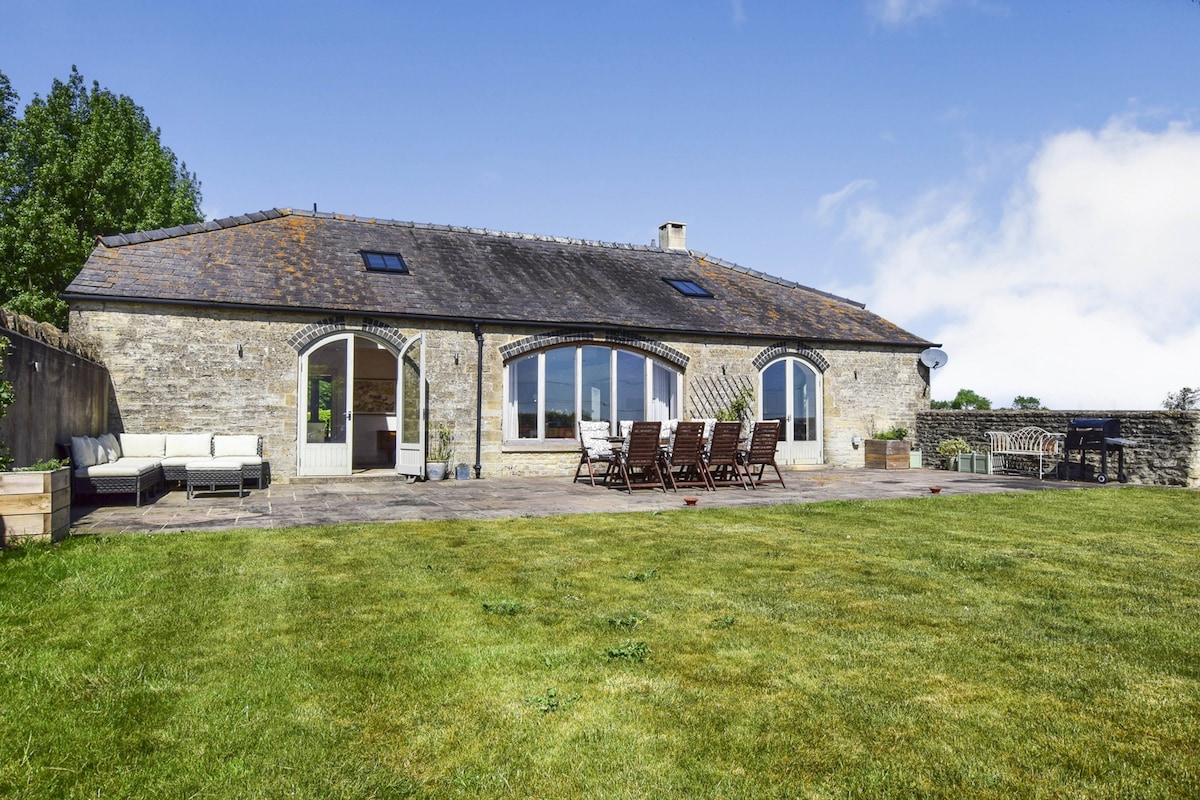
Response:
column 391, row 499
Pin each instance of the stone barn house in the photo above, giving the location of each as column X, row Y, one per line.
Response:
column 346, row 341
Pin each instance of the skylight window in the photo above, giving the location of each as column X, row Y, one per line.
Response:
column 688, row 288
column 384, row 262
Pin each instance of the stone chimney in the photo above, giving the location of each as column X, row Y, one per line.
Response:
column 672, row 236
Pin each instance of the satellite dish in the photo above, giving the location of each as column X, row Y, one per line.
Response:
column 934, row 358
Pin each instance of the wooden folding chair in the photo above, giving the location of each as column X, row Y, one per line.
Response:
column 595, row 450
column 724, row 461
column 763, row 442
column 639, row 459
column 685, row 463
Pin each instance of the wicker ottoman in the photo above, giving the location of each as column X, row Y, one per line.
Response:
column 212, row 473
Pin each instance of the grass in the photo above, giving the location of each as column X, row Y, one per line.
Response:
column 1042, row 645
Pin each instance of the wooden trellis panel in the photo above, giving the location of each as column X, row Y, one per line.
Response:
column 713, row 394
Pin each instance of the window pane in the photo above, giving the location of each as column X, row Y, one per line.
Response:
column 774, row 394
column 664, row 392
column 597, row 383
column 327, row 393
column 525, row 396
column 631, row 386
column 560, row 393
column 804, row 403
column 410, row 423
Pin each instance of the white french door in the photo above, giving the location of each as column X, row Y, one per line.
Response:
column 326, row 416
column 410, row 413
column 790, row 391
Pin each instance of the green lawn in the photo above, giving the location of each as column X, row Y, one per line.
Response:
column 1042, row 645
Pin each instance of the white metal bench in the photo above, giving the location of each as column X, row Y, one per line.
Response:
column 1031, row 442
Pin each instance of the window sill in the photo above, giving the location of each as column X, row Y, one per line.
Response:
column 545, row 446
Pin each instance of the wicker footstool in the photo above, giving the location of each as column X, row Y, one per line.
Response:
column 212, row 474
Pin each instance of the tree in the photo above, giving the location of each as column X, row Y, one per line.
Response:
column 964, row 400
column 1027, row 403
column 1185, row 399
column 79, row 164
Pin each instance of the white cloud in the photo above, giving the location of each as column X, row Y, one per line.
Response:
column 902, row 12
column 739, row 13
column 830, row 203
column 1084, row 291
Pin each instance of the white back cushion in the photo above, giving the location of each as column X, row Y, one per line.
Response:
column 245, row 444
column 110, row 447
column 143, row 445
column 188, row 444
column 85, row 451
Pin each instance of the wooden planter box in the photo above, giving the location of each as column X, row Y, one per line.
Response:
column 35, row 506
column 886, row 453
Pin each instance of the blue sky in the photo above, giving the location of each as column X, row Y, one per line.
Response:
column 1017, row 180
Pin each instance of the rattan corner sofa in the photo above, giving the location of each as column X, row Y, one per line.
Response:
column 141, row 463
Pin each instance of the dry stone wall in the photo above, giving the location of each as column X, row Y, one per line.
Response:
column 1166, row 453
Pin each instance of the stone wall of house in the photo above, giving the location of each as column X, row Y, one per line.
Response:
column 864, row 391
column 184, row 370
column 60, row 389
column 1166, row 453
column 867, row 392
column 194, row 370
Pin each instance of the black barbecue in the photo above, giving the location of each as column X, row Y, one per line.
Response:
column 1097, row 435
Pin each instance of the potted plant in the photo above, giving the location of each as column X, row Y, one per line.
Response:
column 437, row 458
column 960, row 456
column 888, row 450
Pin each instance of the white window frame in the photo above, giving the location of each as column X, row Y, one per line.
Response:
column 511, row 428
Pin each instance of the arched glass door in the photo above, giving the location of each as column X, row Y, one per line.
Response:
column 327, row 423
column 410, row 429
column 790, row 391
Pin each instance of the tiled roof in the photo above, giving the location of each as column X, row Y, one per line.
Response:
column 295, row 259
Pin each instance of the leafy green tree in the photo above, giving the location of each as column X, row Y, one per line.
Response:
column 78, row 164
column 1027, row 403
column 1185, row 399
column 964, row 400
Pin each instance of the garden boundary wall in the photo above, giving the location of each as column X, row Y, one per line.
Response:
column 60, row 389
column 1166, row 450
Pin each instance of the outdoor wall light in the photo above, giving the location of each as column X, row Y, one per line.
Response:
column 456, row 359
column 239, row 351
column 857, row 442
column 37, row 366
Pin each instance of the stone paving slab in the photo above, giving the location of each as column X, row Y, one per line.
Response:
column 392, row 499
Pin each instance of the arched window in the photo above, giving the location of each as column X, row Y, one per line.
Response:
column 550, row 390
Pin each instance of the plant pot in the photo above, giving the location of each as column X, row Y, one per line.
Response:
column 436, row 470
column 462, row 472
column 886, row 453
column 35, row 506
column 979, row 463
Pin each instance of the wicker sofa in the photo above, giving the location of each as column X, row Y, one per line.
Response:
column 141, row 463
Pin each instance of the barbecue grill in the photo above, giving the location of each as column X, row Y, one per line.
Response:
column 1098, row 435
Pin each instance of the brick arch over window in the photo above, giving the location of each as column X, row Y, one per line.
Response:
column 330, row 325
column 541, row 341
column 790, row 349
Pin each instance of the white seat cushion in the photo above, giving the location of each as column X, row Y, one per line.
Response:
column 242, row 461
column 214, row 465
column 125, row 468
